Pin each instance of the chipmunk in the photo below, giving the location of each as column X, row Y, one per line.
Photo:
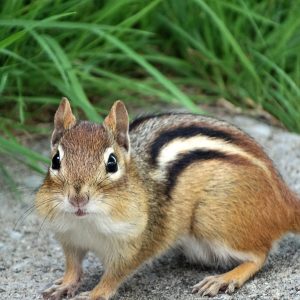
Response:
column 129, row 193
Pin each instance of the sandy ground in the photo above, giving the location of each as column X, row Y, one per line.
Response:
column 30, row 259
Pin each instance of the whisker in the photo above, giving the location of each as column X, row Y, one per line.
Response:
column 48, row 214
column 30, row 210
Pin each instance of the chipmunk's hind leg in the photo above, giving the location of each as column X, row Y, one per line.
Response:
column 229, row 281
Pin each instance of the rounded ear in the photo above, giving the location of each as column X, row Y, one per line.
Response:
column 63, row 120
column 118, row 122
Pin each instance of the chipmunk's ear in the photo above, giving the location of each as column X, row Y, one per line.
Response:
column 118, row 122
column 63, row 120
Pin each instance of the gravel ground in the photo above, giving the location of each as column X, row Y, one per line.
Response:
column 31, row 259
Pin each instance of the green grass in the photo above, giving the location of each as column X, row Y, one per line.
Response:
column 143, row 52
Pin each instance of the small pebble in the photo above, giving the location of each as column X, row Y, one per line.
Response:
column 15, row 235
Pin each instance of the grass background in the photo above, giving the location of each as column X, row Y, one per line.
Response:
column 144, row 52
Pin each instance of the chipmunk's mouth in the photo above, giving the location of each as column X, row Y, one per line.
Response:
column 80, row 212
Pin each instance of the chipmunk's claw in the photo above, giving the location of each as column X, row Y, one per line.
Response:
column 58, row 290
column 211, row 285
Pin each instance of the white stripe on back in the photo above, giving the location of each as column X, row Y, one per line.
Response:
column 172, row 150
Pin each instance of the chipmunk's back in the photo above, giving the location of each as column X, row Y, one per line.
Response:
column 168, row 143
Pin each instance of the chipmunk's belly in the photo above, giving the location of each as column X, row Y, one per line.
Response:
column 211, row 253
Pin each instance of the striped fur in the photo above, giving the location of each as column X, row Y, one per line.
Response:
column 183, row 161
column 143, row 118
column 180, row 146
column 168, row 136
column 174, row 146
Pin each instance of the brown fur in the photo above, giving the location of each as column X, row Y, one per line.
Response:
column 230, row 201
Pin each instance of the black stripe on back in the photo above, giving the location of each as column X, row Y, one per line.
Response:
column 185, row 132
column 184, row 160
column 141, row 119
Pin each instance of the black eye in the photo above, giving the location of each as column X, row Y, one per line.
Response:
column 112, row 164
column 56, row 161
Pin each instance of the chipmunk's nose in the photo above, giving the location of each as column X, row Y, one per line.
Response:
column 79, row 200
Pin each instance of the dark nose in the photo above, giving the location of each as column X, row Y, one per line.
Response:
column 79, row 200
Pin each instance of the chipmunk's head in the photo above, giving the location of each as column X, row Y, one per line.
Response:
column 88, row 175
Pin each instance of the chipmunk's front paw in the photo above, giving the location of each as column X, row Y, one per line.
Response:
column 58, row 290
column 211, row 285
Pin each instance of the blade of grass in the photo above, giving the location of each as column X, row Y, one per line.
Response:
column 75, row 87
column 139, row 15
column 17, row 36
column 3, row 82
column 52, row 55
column 279, row 71
column 20, row 100
column 15, row 148
column 179, row 96
column 230, row 39
column 249, row 13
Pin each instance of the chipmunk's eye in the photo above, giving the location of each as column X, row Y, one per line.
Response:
column 112, row 164
column 56, row 161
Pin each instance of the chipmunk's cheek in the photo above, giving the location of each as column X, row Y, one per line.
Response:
column 99, row 205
